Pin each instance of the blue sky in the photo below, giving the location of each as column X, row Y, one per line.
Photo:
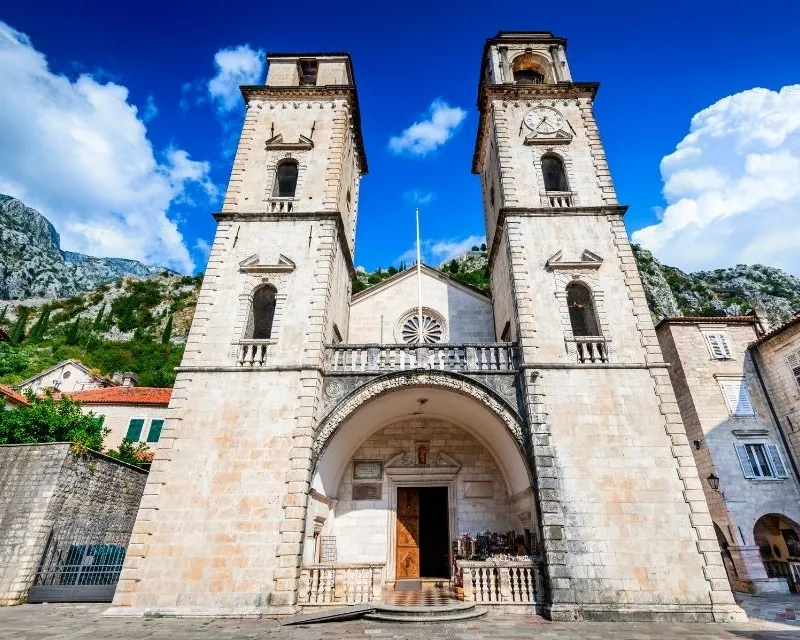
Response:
column 144, row 183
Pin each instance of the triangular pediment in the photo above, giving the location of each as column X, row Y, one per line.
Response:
column 277, row 143
column 254, row 264
column 559, row 137
column 588, row 260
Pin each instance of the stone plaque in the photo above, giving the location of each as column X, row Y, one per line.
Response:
column 367, row 470
column 478, row 489
column 367, row 491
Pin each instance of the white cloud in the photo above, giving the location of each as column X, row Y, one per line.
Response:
column 203, row 247
column 150, row 109
column 235, row 66
column 427, row 135
column 732, row 186
column 419, row 196
column 434, row 252
column 79, row 153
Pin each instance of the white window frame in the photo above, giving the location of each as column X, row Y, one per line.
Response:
column 793, row 361
column 771, row 454
column 737, row 387
column 719, row 345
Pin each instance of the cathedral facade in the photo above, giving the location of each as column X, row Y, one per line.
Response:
column 524, row 450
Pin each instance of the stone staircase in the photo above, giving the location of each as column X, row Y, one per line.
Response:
column 450, row 612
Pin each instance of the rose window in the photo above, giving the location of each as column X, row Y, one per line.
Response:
column 430, row 332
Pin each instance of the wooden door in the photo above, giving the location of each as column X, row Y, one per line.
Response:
column 407, row 533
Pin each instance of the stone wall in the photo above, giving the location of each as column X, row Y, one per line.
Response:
column 47, row 491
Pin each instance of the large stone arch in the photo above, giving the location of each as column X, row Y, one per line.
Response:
column 504, row 432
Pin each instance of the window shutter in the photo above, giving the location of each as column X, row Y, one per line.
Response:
column 737, row 397
column 776, row 460
column 744, row 461
column 155, row 430
column 718, row 344
column 794, row 364
column 135, row 427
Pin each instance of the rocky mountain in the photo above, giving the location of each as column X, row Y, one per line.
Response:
column 743, row 289
column 33, row 265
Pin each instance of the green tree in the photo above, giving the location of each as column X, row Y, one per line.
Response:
column 97, row 325
column 72, row 337
column 3, row 314
column 167, row 335
column 391, row 271
column 483, row 247
column 135, row 453
column 40, row 327
column 18, row 332
column 453, row 266
column 45, row 419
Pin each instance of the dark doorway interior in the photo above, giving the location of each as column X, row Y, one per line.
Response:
column 434, row 533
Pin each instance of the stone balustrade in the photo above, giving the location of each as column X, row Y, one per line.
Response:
column 590, row 350
column 338, row 584
column 465, row 358
column 281, row 205
column 252, row 353
column 499, row 581
column 558, row 199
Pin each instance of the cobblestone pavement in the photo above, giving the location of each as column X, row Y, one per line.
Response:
column 78, row 622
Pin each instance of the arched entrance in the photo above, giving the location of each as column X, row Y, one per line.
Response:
column 416, row 473
column 778, row 541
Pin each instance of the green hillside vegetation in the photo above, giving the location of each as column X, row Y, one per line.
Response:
column 135, row 325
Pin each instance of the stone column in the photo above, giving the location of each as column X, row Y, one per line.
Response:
column 750, row 567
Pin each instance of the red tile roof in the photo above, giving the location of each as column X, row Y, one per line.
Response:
column 8, row 392
column 707, row 319
column 123, row 395
column 775, row 332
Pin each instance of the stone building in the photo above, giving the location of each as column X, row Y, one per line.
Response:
column 747, row 471
column 322, row 448
column 66, row 377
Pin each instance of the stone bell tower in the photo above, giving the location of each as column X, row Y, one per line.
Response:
column 625, row 527
column 220, row 526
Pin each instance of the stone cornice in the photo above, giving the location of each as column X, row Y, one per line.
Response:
column 264, row 92
column 512, row 92
column 542, row 212
column 262, row 216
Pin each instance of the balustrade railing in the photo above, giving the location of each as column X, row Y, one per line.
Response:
column 371, row 358
column 499, row 581
column 590, row 350
column 280, row 205
column 558, row 199
column 252, row 353
column 338, row 584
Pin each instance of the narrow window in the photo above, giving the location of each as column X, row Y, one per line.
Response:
column 307, row 70
column 135, row 427
column 736, row 396
column 155, row 430
column 491, row 195
column 348, row 199
column 337, row 335
column 285, row 179
column 506, row 335
column 793, row 360
column 555, row 178
column 718, row 345
column 263, row 313
column 581, row 311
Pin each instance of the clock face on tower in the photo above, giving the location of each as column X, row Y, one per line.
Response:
column 544, row 120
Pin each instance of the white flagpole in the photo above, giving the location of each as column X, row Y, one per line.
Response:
column 419, row 284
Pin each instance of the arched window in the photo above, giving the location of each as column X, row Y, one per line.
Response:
column 263, row 313
column 285, row 179
column 581, row 311
column 555, row 177
column 527, row 69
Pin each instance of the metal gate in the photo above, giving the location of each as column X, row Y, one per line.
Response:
column 80, row 565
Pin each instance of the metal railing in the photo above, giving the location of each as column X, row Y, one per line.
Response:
column 376, row 358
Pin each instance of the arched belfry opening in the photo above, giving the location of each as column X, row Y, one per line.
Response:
column 582, row 315
column 262, row 314
column 286, row 179
column 554, row 173
column 528, row 69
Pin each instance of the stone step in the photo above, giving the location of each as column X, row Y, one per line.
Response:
column 444, row 613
